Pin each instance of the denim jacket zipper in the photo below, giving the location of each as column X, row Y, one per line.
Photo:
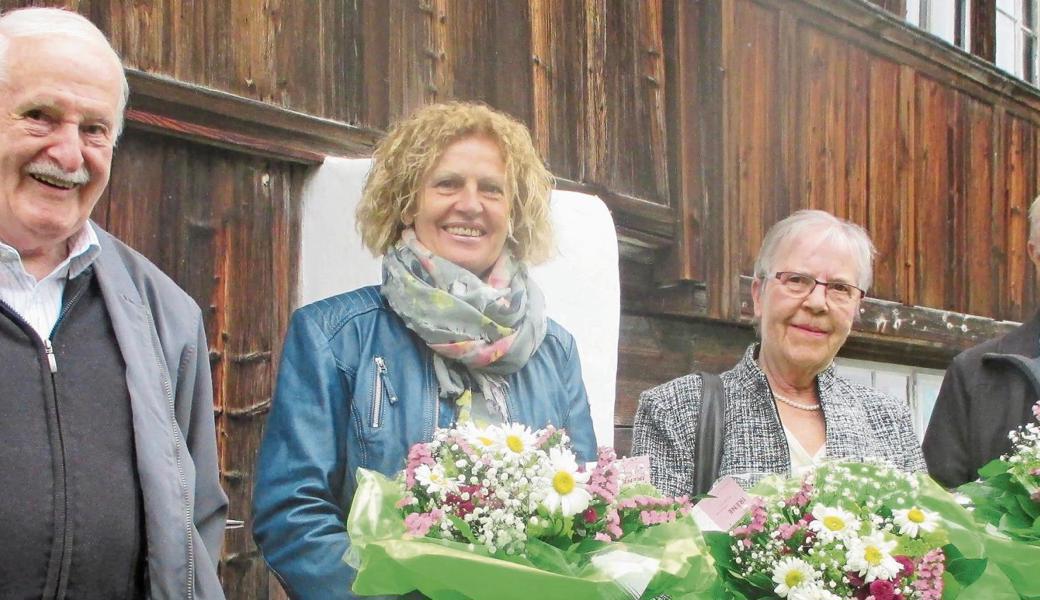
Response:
column 382, row 387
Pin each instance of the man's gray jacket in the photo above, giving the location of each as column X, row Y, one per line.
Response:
column 162, row 339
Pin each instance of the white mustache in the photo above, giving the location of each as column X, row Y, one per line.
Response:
column 46, row 168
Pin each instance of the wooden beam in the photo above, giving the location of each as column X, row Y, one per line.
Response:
column 984, row 29
column 215, row 118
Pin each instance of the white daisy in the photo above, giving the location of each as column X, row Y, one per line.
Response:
column 481, row 439
column 566, row 493
column 912, row 521
column 433, row 479
column 871, row 557
column 516, row 438
column 831, row 523
column 790, row 574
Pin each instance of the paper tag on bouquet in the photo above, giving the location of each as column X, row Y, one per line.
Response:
column 632, row 572
column 729, row 503
column 634, row 469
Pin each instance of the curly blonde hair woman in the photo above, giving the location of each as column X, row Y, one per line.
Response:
column 413, row 146
column 457, row 204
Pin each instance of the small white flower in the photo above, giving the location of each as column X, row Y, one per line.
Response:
column 433, row 479
column 912, row 521
column 790, row 574
column 566, row 493
column 871, row 557
column 832, row 523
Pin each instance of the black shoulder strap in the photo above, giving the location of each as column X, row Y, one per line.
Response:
column 710, row 433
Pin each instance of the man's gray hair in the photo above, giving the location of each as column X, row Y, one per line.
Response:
column 49, row 22
column 853, row 236
column 1034, row 222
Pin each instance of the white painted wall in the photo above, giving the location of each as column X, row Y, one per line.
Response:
column 581, row 284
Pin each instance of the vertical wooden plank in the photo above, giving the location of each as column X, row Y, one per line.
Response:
column 723, row 286
column 1020, row 153
column 981, row 252
column 375, row 46
column 595, row 93
column 906, row 192
column 823, row 76
column 652, row 172
column 984, row 29
column 511, row 79
column 541, row 81
column 752, row 89
column 856, row 136
column 933, row 200
column 789, row 107
column 885, row 204
column 999, row 206
column 687, row 107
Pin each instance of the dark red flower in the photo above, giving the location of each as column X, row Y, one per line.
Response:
column 590, row 514
column 906, row 564
column 882, row 589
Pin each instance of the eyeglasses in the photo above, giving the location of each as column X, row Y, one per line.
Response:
column 801, row 285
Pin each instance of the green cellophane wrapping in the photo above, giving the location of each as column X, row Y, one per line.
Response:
column 1003, row 501
column 389, row 561
column 1011, row 569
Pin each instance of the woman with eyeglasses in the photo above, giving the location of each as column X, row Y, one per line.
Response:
column 783, row 408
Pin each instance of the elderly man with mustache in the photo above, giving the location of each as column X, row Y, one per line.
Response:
column 782, row 408
column 106, row 412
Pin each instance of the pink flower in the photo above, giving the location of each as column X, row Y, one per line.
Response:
column 803, row 496
column 1036, row 410
column 787, row 530
column 602, row 537
column 418, row 454
column 929, row 575
column 419, row 524
column 613, row 524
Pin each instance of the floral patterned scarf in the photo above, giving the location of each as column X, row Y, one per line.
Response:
column 479, row 331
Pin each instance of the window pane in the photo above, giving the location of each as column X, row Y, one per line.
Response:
column 1005, row 50
column 913, row 12
column 942, row 17
column 1007, row 6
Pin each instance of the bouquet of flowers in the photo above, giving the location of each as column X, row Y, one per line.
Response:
column 499, row 511
column 1008, row 494
column 864, row 531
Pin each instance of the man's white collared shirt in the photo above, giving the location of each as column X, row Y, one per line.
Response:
column 39, row 302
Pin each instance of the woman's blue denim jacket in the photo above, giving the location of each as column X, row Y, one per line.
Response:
column 356, row 389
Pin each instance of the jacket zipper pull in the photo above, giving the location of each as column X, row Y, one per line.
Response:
column 49, row 349
column 385, row 379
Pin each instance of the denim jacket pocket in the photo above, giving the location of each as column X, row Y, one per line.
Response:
column 382, row 390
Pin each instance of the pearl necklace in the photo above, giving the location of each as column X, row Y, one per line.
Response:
column 798, row 405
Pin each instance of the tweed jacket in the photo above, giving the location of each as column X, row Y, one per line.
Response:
column 861, row 423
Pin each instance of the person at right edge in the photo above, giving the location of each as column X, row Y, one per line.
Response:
column 988, row 391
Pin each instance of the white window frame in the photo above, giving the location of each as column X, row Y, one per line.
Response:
column 939, row 17
column 918, row 386
column 1026, row 40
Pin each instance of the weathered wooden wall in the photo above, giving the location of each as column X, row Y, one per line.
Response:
column 699, row 123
